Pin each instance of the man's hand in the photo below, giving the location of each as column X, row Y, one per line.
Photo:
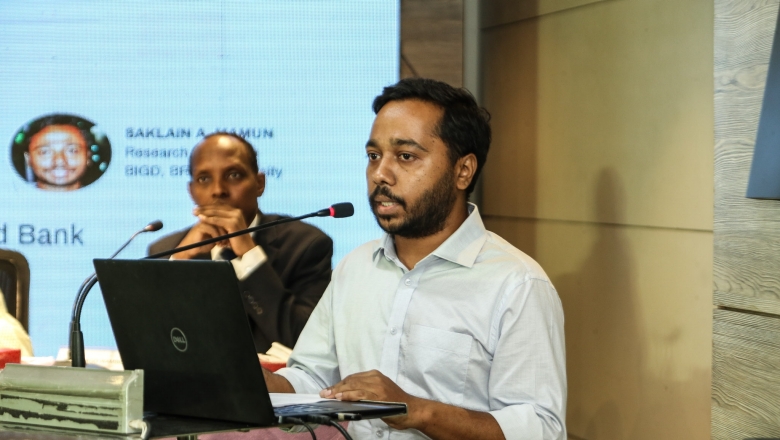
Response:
column 227, row 219
column 201, row 231
column 435, row 419
column 216, row 220
column 373, row 385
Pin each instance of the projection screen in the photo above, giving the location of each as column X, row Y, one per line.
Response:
column 141, row 82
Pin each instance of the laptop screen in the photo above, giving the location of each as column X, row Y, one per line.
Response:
column 184, row 324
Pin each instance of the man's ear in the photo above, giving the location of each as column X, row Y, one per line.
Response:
column 189, row 189
column 465, row 168
column 260, row 177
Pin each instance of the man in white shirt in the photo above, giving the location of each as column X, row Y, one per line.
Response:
column 439, row 313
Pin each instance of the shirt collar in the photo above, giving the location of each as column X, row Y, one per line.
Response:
column 462, row 247
column 255, row 221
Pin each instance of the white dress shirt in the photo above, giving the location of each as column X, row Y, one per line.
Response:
column 476, row 324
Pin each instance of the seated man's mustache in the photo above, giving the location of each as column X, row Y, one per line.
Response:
column 385, row 191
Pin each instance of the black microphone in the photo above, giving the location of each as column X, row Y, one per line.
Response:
column 339, row 210
column 151, row 227
column 76, row 340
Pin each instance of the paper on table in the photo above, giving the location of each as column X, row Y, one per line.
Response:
column 287, row 399
column 280, row 351
column 277, row 354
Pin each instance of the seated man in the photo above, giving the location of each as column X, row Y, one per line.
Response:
column 12, row 333
column 439, row 313
column 282, row 270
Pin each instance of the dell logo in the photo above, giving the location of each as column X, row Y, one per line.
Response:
column 178, row 339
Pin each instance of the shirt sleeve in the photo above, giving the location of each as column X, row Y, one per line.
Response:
column 313, row 364
column 247, row 263
column 527, row 382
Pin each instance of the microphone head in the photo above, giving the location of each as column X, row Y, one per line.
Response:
column 340, row 210
column 153, row 226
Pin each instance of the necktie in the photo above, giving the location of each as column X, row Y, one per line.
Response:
column 228, row 254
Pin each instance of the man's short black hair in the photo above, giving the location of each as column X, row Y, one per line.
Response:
column 250, row 150
column 464, row 127
column 82, row 125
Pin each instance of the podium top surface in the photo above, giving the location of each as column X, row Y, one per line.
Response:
column 160, row 426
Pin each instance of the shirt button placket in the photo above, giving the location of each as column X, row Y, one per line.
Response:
column 379, row 433
column 393, row 331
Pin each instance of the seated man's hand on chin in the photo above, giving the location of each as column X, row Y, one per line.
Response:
column 216, row 220
column 201, row 231
column 227, row 219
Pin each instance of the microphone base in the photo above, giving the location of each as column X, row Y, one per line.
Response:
column 77, row 357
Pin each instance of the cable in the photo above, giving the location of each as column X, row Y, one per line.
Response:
column 297, row 421
column 325, row 420
column 143, row 426
column 340, row 428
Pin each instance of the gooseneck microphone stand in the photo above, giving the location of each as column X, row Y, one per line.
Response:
column 76, row 337
column 339, row 210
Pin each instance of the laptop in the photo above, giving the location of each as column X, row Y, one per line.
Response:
column 184, row 324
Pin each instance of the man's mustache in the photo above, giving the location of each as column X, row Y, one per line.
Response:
column 385, row 191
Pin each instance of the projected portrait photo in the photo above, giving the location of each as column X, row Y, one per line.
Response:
column 60, row 152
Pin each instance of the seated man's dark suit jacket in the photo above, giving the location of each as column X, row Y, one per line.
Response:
column 280, row 295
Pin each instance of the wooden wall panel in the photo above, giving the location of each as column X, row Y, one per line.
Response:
column 747, row 232
column 602, row 169
column 432, row 40
column 745, row 385
column 746, row 345
column 619, row 85
column 498, row 12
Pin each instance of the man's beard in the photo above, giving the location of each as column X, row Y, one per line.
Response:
column 426, row 217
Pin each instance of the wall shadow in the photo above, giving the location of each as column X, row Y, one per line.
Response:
column 605, row 346
column 619, row 385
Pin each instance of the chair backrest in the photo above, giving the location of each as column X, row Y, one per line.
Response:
column 15, row 284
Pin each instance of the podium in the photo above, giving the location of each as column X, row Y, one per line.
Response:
column 78, row 403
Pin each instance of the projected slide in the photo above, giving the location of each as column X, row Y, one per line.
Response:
column 103, row 101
